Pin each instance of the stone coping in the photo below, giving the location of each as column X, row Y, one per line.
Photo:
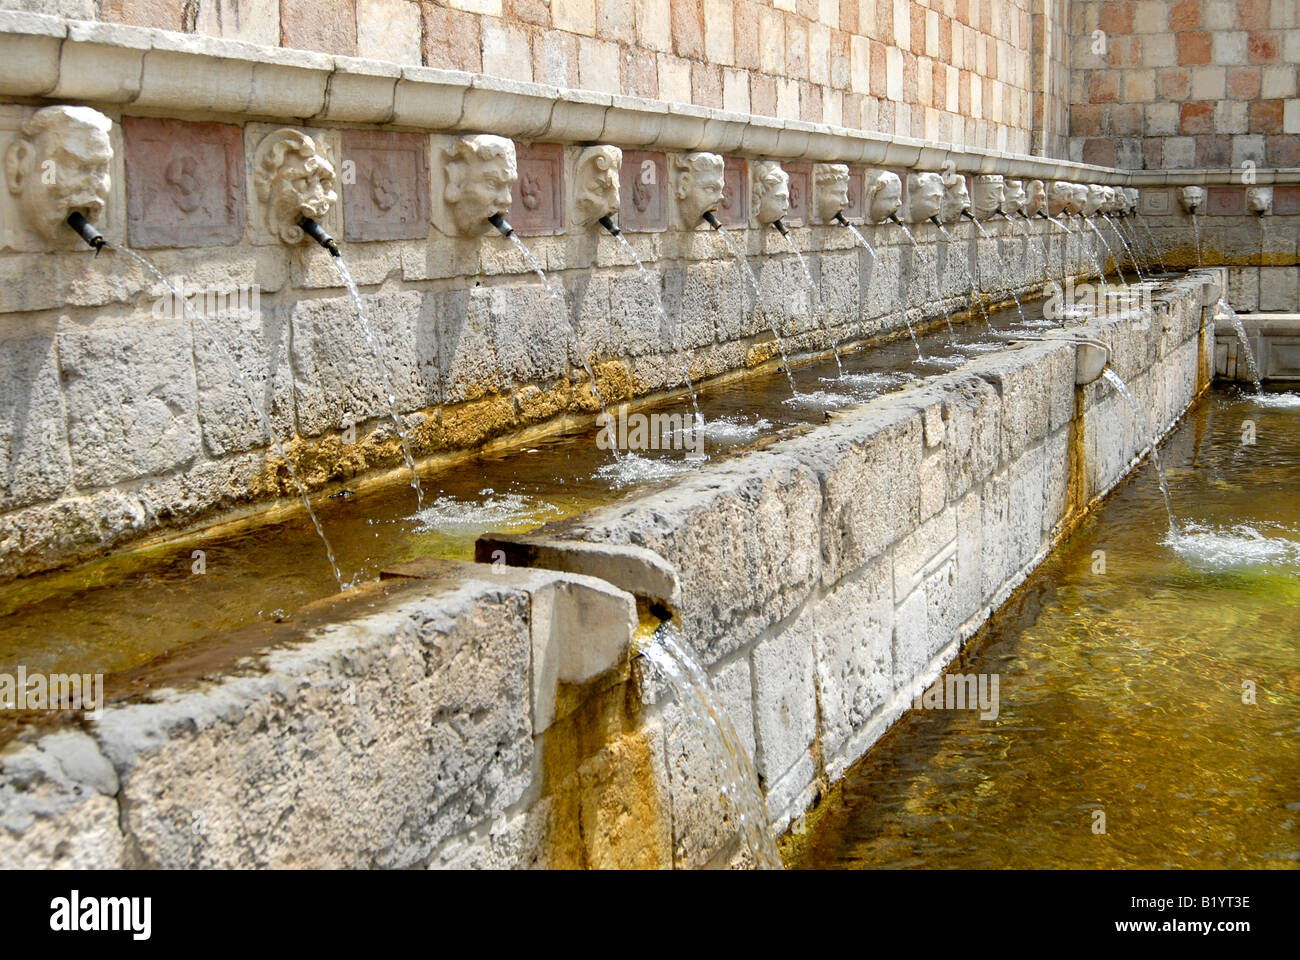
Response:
column 166, row 72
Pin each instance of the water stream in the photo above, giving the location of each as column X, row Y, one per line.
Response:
column 1002, row 269
column 1092, row 256
column 961, row 259
column 216, row 344
column 1196, row 228
column 1127, row 249
column 389, row 398
column 1160, row 258
column 759, row 305
column 665, row 325
column 694, row 693
column 1141, row 422
column 814, row 303
column 938, row 293
column 1224, row 311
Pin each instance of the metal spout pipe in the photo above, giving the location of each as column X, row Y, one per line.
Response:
column 317, row 233
column 608, row 223
column 502, row 224
column 86, row 230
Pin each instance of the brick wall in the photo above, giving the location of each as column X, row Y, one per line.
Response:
column 1185, row 83
column 953, row 70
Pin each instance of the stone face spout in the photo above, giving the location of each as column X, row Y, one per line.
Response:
column 956, row 199
column 924, row 196
column 990, row 195
column 1131, row 197
column 318, row 233
column 294, row 178
column 1094, row 199
column 596, row 187
column 698, row 188
column 480, row 173
column 884, row 195
column 1014, row 199
column 831, row 184
column 1260, row 200
column 58, row 168
column 1192, row 198
column 1036, row 199
column 770, row 194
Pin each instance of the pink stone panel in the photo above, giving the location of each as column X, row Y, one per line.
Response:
column 538, row 205
column 800, row 193
column 734, row 209
column 385, row 185
column 184, row 183
column 643, row 186
column 1286, row 201
column 1226, row 201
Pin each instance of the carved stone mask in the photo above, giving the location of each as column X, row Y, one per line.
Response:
column 1094, row 200
column 59, row 165
column 1259, row 199
column 595, row 183
column 990, row 191
column 924, row 196
column 1078, row 197
column 1059, row 198
column 1192, row 198
column 771, row 192
column 699, row 186
column 884, row 195
column 1036, row 198
column 481, row 171
column 956, row 199
column 294, row 178
column 1131, row 197
column 1013, row 198
column 832, row 180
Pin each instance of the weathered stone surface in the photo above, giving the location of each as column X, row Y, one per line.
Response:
column 420, row 705
column 131, row 398
column 338, row 378
column 852, row 630
column 764, row 509
column 785, row 708
column 34, row 461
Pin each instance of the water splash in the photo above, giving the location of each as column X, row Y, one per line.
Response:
column 1144, row 428
column 814, row 303
column 664, row 324
column 631, row 469
column 1223, row 310
column 1277, row 401
column 487, row 511
column 276, row 446
column 694, row 693
column 748, row 273
column 390, row 399
column 1225, row 548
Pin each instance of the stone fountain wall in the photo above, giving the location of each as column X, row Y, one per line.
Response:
column 125, row 417
column 482, row 715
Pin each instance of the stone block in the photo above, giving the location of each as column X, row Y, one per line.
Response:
column 387, row 197
column 34, row 462
column 785, row 703
column 419, row 703
column 338, row 379
column 131, row 400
